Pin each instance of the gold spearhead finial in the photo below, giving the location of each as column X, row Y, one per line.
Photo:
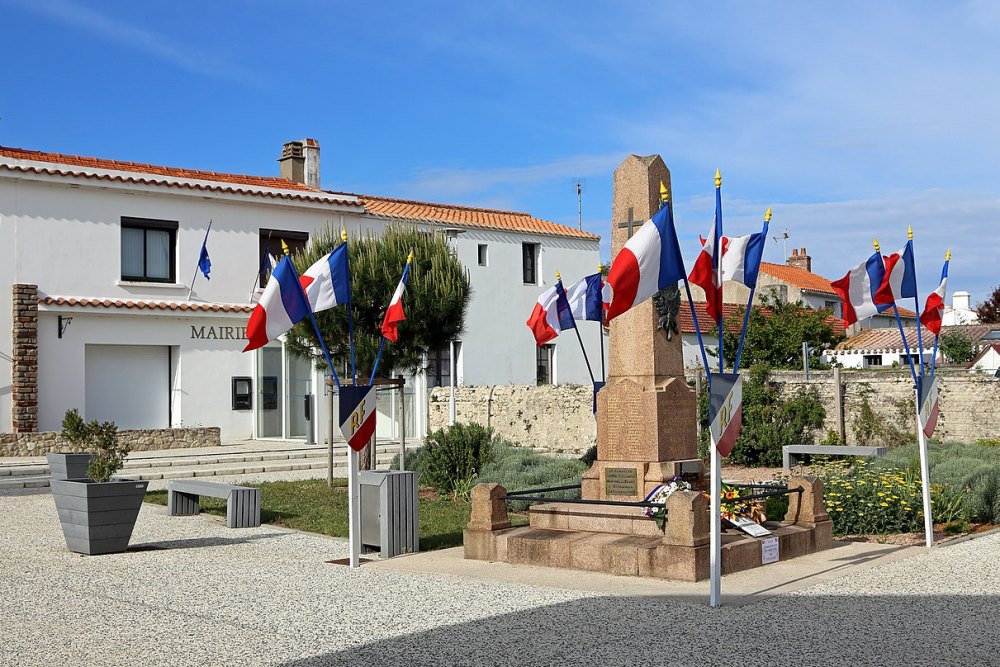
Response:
column 409, row 258
column 284, row 246
column 767, row 214
column 343, row 234
column 875, row 243
column 664, row 193
column 909, row 232
column 558, row 277
column 718, row 179
column 947, row 255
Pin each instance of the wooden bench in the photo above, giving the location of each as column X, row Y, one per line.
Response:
column 242, row 502
column 790, row 454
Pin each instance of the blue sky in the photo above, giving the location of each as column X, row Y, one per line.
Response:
column 851, row 119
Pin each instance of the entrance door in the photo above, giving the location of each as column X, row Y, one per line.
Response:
column 299, row 385
column 270, row 388
column 128, row 384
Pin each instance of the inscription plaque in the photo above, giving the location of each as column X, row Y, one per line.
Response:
column 620, row 482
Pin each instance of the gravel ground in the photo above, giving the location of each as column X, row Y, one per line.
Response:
column 196, row 593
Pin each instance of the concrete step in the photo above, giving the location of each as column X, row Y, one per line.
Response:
column 207, row 465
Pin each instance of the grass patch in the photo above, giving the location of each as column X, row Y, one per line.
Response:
column 311, row 506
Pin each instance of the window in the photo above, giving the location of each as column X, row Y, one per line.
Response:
column 873, row 360
column 148, row 250
column 483, row 256
column 270, row 243
column 439, row 367
column 543, row 364
column 529, row 252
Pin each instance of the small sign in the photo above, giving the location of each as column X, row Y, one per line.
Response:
column 749, row 526
column 620, row 482
column 357, row 415
column 769, row 550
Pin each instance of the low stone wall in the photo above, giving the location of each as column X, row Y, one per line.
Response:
column 558, row 419
column 39, row 444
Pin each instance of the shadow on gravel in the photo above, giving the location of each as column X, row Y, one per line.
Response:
column 792, row 630
column 202, row 542
column 35, row 491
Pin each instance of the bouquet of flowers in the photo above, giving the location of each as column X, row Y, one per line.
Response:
column 660, row 495
column 732, row 507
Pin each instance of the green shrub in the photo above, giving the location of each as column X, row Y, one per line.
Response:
column 868, row 498
column 871, row 427
column 518, row 469
column 100, row 438
column 453, row 456
column 589, row 456
column 988, row 442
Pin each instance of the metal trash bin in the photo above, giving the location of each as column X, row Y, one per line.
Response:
column 389, row 521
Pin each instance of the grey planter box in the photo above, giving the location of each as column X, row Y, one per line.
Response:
column 97, row 517
column 68, row 466
column 389, row 520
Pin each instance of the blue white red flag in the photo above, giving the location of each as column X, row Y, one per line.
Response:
column 551, row 315
column 933, row 313
column 857, row 290
column 900, row 279
column 357, row 415
column 650, row 261
column 327, row 283
column 725, row 410
column 394, row 313
column 704, row 274
column 928, row 404
column 586, row 300
column 741, row 257
column 281, row 306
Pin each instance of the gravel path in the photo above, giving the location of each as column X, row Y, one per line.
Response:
column 196, row 593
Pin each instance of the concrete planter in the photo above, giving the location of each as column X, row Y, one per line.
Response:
column 97, row 518
column 68, row 466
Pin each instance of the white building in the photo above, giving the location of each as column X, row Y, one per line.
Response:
column 960, row 311
column 112, row 248
column 883, row 348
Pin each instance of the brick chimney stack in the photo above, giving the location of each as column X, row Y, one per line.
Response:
column 300, row 162
column 800, row 260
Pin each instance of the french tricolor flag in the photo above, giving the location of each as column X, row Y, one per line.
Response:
column 551, row 315
column 394, row 314
column 586, row 300
column 900, row 279
column 327, row 282
column 934, row 308
column 858, row 287
column 650, row 261
column 281, row 306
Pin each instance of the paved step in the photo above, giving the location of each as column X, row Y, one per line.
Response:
column 180, row 466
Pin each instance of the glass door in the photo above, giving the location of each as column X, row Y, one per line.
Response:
column 299, row 386
column 269, row 391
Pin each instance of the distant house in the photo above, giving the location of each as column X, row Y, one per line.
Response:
column 877, row 348
column 987, row 361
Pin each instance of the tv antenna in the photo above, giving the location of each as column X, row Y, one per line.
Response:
column 784, row 239
column 579, row 203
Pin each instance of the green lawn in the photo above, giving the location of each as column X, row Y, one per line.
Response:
column 312, row 506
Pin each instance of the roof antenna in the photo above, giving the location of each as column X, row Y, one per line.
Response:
column 579, row 203
column 784, row 238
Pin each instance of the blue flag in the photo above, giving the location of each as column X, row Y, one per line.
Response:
column 204, row 261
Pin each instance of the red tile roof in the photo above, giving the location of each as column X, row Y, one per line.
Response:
column 236, row 183
column 467, row 216
column 800, row 278
column 888, row 339
column 706, row 323
column 145, row 305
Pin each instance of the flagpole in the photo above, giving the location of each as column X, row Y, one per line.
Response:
column 899, row 323
column 267, row 253
column 350, row 319
column 746, row 314
column 718, row 260
column 561, row 294
column 600, row 322
column 916, row 301
column 925, row 476
column 198, row 265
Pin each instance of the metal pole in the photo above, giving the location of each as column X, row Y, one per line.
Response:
column 353, row 507
column 198, row 266
column 451, row 375
column 925, row 478
column 330, row 425
column 805, row 359
column 402, row 428
column 715, row 536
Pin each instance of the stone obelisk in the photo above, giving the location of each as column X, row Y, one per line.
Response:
column 646, row 413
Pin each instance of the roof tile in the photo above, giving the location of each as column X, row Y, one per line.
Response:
column 800, row 278
column 144, row 305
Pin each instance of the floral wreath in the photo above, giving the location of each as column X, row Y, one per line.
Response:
column 659, row 495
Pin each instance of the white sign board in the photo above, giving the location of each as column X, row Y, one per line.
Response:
column 769, row 550
column 749, row 526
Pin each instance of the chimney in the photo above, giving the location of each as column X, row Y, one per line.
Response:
column 800, row 260
column 960, row 300
column 300, row 162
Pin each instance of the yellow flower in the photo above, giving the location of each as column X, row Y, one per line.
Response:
column 884, row 504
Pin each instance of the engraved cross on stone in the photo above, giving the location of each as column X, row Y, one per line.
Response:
column 630, row 224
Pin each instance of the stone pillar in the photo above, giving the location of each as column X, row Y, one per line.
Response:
column 480, row 540
column 24, row 366
column 838, row 405
column 807, row 507
column 687, row 519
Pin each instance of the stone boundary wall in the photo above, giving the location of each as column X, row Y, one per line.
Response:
column 558, row 419
column 39, row 444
